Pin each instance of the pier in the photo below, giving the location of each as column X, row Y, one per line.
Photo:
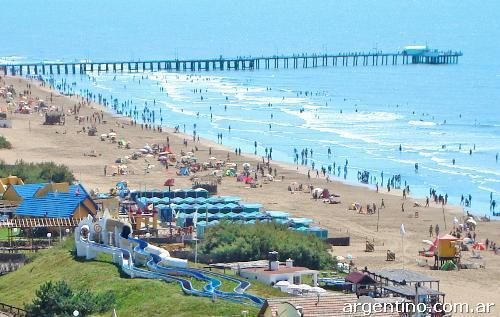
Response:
column 413, row 55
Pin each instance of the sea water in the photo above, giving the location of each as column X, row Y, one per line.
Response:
column 436, row 113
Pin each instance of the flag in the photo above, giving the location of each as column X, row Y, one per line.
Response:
column 195, row 218
column 402, row 230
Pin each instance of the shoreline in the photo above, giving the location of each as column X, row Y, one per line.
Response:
column 455, row 209
column 420, row 183
column 65, row 145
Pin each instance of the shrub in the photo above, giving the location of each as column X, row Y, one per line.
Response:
column 234, row 242
column 58, row 299
column 4, row 144
column 44, row 172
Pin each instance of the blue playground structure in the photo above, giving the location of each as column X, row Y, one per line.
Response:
column 127, row 252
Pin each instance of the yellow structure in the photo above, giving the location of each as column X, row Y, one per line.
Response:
column 52, row 187
column 446, row 246
column 10, row 180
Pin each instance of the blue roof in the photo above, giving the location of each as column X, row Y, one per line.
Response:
column 27, row 190
column 54, row 204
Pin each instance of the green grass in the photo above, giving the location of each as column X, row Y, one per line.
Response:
column 134, row 297
column 4, row 233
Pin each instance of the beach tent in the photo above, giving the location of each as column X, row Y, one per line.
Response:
column 300, row 222
column 200, row 200
column 231, row 205
column 277, row 214
column 177, row 200
column 199, row 193
column 230, row 199
column 251, row 207
column 183, row 171
column 180, row 193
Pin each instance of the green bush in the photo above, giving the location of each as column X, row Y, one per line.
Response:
column 58, row 299
column 44, row 172
column 233, row 242
column 4, row 144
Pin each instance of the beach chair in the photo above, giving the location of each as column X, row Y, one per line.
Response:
column 370, row 247
column 391, row 256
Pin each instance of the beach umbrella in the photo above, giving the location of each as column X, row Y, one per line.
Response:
column 471, row 220
column 429, row 242
column 213, row 158
column 479, row 246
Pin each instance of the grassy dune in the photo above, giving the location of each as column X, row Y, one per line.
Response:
column 134, row 297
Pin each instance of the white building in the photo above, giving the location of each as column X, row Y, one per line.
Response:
column 276, row 272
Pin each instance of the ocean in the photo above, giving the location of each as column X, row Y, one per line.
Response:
column 438, row 114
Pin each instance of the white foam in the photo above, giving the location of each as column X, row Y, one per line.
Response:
column 421, row 123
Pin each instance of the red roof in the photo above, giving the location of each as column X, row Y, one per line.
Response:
column 359, row 278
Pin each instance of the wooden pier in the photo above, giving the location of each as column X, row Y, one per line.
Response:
column 240, row 63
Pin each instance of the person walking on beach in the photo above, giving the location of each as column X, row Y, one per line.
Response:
column 382, row 204
column 403, row 207
column 427, row 202
column 431, row 231
column 436, row 229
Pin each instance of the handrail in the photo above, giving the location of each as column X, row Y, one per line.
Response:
column 12, row 310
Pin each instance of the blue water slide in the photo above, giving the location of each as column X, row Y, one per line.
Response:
column 213, row 278
column 130, row 269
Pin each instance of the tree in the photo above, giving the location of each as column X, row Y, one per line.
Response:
column 58, row 299
column 37, row 172
column 4, row 144
column 237, row 242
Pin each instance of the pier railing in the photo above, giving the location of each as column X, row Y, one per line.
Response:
column 238, row 63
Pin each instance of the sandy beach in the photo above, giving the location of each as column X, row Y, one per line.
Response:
column 66, row 144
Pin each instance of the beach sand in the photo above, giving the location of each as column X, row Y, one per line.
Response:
column 34, row 142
